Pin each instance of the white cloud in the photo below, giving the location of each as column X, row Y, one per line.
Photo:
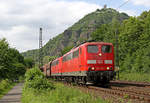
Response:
column 145, row 3
column 20, row 37
column 129, row 12
column 20, row 19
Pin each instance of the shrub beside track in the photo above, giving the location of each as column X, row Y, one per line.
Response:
column 52, row 92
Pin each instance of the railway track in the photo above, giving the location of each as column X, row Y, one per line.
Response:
column 125, row 93
column 140, row 84
column 136, row 92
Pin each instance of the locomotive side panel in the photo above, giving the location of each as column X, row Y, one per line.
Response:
column 55, row 68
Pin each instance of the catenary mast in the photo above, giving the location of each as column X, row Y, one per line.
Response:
column 40, row 49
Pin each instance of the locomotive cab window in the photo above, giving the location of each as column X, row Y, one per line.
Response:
column 76, row 53
column 67, row 57
column 106, row 48
column 64, row 58
column 55, row 63
column 92, row 48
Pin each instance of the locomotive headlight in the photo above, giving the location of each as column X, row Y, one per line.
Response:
column 108, row 68
column 92, row 68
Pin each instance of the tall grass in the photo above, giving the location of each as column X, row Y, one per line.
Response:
column 141, row 77
column 61, row 94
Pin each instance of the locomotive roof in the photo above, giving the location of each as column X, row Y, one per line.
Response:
column 85, row 44
column 93, row 43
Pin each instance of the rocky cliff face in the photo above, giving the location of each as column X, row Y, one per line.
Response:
column 79, row 32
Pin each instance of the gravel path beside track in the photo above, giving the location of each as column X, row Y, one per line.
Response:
column 14, row 95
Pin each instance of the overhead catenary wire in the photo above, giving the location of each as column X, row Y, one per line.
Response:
column 122, row 4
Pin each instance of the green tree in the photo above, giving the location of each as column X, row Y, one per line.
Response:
column 29, row 62
column 11, row 61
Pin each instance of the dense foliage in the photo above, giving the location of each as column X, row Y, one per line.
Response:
column 35, row 79
column 134, row 76
column 11, row 62
column 66, row 49
column 29, row 62
column 134, row 41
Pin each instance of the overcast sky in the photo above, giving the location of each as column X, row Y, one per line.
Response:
column 20, row 20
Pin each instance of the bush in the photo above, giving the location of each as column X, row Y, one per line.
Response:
column 141, row 77
column 21, row 78
column 5, row 86
column 35, row 79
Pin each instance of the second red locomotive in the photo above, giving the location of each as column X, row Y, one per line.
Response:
column 89, row 62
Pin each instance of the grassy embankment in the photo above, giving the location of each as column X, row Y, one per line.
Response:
column 140, row 77
column 37, row 89
column 5, row 86
column 61, row 94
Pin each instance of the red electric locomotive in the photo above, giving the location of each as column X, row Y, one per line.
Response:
column 89, row 62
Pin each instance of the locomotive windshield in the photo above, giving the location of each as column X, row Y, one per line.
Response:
column 92, row 48
column 106, row 48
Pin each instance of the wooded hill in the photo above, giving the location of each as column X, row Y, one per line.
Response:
column 134, row 41
column 79, row 32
